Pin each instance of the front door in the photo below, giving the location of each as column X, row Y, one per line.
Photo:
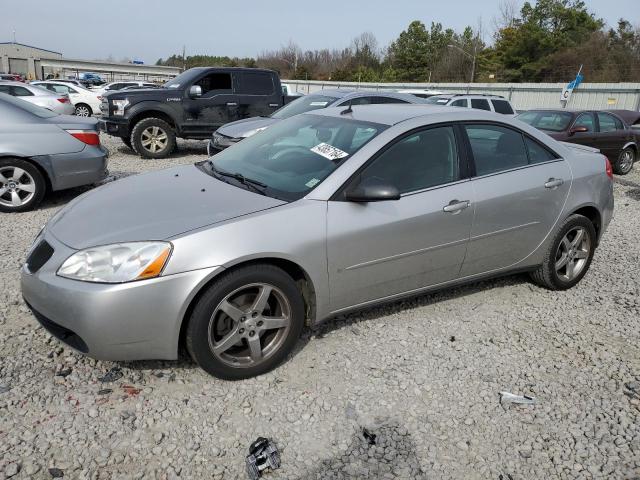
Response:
column 588, row 138
column 379, row 249
column 520, row 189
column 216, row 106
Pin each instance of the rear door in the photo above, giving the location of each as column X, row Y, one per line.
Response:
column 216, row 106
column 256, row 93
column 611, row 136
column 520, row 188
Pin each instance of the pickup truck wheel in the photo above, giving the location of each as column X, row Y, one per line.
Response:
column 22, row 186
column 153, row 138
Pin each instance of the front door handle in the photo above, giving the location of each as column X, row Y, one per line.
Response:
column 232, row 104
column 456, row 206
column 274, row 105
column 553, row 183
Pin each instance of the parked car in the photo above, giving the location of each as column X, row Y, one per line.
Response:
column 90, row 78
column 70, row 81
column 233, row 132
column 606, row 131
column 122, row 84
column 325, row 212
column 422, row 93
column 85, row 102
column 56, row 102
column 12, row 77
column 42, row 151
column 491, row 103
column 192, row 105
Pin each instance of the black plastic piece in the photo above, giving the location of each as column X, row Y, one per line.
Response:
column 39, row 256
column 263, row 454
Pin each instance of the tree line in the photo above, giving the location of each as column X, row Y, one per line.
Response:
column 544, row 41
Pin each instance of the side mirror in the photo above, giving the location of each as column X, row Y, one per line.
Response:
column 575, row 130
column 372, row 192
column 195, row 91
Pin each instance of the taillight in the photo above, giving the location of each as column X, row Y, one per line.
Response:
column 608, row 168
column 63, row 99
column 89, row 137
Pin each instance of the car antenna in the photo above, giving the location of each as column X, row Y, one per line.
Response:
column 348, row 110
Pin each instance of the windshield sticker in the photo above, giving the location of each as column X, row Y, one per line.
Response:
column 312, row 183
column 329, row 151
column 318, row 104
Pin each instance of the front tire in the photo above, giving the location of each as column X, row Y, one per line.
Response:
column 624, row 163
column 83, row 110
column 153, row 138
column 246, row 322
column 22, row 186
column 569, row 255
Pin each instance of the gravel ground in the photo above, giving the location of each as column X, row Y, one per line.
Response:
column 422, row 375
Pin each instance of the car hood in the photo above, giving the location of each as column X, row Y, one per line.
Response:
column 153, row 206
column 241, row 128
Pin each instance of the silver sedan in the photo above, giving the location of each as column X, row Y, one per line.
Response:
column 320, row 214
column 55, row 102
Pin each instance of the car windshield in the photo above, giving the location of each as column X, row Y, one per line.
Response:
column 552, row 121
column 27, row 106
column 182, row 79
column 291, row 158
column 303, row 105
column 438, row 100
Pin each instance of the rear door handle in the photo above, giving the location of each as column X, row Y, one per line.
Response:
column 232, row 104
column 456, row 206
column 553, row 183
column 274, row 104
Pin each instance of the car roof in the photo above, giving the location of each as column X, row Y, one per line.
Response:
column 392, row 114
column 343, row 94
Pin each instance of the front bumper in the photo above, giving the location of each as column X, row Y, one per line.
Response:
column 130, row 321
column 118, row 127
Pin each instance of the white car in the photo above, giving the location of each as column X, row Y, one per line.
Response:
column 56, row 102
column 114, row 86
column 490, row 103
column 421, row 93
column 85, row 102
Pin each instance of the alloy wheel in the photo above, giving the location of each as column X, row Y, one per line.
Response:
column 17, row 187
column 573, row 253
column 154, row 139
column 249, row 325
column 82, row 111
column 626, row 160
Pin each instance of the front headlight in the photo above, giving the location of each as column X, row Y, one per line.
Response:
column 119, row 106
column 119, row 263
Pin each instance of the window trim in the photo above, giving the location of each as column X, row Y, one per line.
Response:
column 615, row 121
column 463, row 161
column 474, row 173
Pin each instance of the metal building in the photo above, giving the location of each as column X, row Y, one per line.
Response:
column 24, row 59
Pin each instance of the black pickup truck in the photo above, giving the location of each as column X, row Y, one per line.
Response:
column 192, row 105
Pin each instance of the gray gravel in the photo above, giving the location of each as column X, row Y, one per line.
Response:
column 423, row 375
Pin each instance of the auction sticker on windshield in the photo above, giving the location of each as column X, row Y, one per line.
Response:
column 329, row 151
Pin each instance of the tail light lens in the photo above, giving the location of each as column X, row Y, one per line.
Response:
column 63, row 99
column 90, row 137
column 608, row 168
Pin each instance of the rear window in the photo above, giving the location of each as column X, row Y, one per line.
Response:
column 256, row 83
column 502, row 106
column 438, row 100
column 302, row 105
column 551, row 121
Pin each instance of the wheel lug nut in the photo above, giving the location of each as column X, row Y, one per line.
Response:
column 260, row 323
column 254, row 314
column 252, row 333
column 241, row 331
column 243, row 319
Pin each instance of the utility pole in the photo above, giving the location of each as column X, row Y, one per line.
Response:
column 184, row 60
column 472, row 57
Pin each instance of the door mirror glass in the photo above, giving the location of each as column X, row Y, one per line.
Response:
column 195, row 91
column 372, row 191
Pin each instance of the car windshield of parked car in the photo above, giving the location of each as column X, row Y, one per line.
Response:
column 551, row 121
column 437, row 100
column 303, row 105
column 291, row 158
column 27, row 107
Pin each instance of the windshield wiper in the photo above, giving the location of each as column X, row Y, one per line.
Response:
column 255, row 185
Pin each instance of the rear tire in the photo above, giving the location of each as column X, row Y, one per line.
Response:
column 569, row 255
column 22, row 186
column 153, row 138
column 83, row 110
column 624, row 163
column 246, row 322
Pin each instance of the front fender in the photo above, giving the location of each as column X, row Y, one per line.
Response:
column 152, row 106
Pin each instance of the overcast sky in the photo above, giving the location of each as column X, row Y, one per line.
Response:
column 150, row 29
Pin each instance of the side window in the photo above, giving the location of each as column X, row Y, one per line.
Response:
column 496, row 148
column 256, row 83
column 359, row 101
column 60, row 89
column 378, row 100
column 585, row 120
column 480, row 104
column 608, row 123
column 421, row 160
column 459, row 103
column 215, row 83
column 502, row 106
column 21, row 92
column 5, row 89
column 537, row 153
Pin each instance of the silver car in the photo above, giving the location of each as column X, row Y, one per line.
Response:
column 41, row 151
column 323, row 213
column 56, row 102
column 233, row 132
